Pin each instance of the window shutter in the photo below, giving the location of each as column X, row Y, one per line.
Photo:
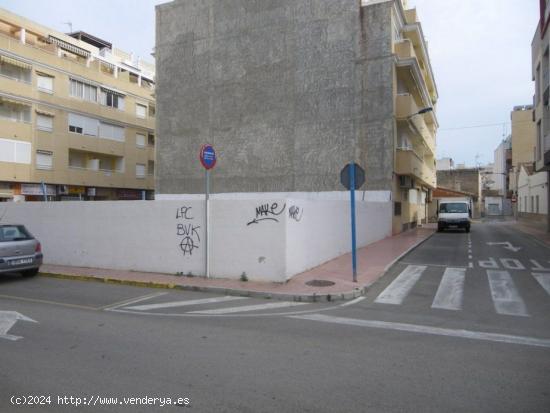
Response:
column 44, row 122
column 140, row 140
column 44, row 160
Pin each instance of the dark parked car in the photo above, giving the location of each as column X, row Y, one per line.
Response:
column 19, row 250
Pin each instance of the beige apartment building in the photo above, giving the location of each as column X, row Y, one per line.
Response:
column 523, row 142
column 77, row 116
column 416, row 122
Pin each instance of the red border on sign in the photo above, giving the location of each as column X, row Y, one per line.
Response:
column 201, row 156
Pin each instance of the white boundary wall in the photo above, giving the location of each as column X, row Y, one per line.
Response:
column 267, row 239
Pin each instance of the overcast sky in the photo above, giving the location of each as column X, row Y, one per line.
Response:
column 480, row 52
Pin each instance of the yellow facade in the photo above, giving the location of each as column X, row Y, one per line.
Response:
column 76, row 119
column 524, row 141
column 415, row 95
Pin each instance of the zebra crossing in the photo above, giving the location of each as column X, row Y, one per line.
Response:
column 220, row 305
column 504, row 293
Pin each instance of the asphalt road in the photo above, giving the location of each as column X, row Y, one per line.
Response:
column 459, row 324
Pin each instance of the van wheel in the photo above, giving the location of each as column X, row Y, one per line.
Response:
column 30, row 273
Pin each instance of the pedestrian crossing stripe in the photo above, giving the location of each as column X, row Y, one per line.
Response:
column 450, row 293
column 451, row 289
column 398, row 290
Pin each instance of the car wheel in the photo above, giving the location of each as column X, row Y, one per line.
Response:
column 30, row 273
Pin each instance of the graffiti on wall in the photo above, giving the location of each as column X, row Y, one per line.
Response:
column 295, row 213
column 267, row 212
column 187, row 231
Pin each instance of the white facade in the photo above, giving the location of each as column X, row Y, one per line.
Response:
column 499, row 167
column 267, row 239
column 532, row 192
column 445, row 164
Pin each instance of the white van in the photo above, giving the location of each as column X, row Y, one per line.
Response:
column 454, row 213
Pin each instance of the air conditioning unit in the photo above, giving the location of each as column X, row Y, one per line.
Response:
column 406, row 181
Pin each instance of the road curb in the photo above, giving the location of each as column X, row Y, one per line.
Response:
column 300, row 297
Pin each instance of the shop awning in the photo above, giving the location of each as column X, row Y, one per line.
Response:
column 69, row 47
column 15, row 62
column 44, row 112
column 113, row 91
column 13, row 101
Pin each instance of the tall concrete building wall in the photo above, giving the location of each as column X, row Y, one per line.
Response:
column 279, row 89
column 289, row 92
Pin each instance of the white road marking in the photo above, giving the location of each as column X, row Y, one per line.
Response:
column 543, row 280
column 248, row 308
column 512, row 264
column 414, row 328
column 507, row 246
column 396, row 292
column 355, row 301
column 451, row 289
column 470, row 257
column 490, row 263
column 470, row 265
column 132, row 301
column 538, row 267
column 7, row 320
column 185, row 303
column 505, row 296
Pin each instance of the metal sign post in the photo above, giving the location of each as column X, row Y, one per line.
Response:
column 352, row 177
column 353, row 233
column 208, row 160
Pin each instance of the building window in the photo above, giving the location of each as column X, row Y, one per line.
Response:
column 532, row 204
column 44, row 122
column 15, row 151
column 397, row 209
column 152, row 111
column 150, row 168
column 140, row 140
column 14, row 111
column 44, row 160
column 151, row 140
column 83, row 125
column 141, row 111
column 15, row 69
column 525, row 207
column 83, row 91
column 140, row 170
column 112, row 99
column 44, row 82
column 113, row 132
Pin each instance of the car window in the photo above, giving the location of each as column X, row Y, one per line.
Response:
column 13, row 233
column 453, row 207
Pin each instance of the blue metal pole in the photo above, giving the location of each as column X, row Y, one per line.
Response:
column 353, row 241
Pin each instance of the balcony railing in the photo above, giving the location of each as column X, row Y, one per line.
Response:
column 409, row 162
column 407, row 109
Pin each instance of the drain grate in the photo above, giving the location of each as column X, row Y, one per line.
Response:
column 319, row 283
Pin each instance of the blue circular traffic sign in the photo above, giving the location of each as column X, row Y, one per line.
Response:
column 207, row 156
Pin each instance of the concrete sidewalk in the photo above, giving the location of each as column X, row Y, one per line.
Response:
column 536, row 232
column 372, row 262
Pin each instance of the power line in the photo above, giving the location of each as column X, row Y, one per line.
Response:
column 485, row 125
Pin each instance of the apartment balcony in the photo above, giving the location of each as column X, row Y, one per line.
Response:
column 406, row 110
column 95, row 177
column 411, row 63
column 411, row 16
column 407, row 162
column 10, row 129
